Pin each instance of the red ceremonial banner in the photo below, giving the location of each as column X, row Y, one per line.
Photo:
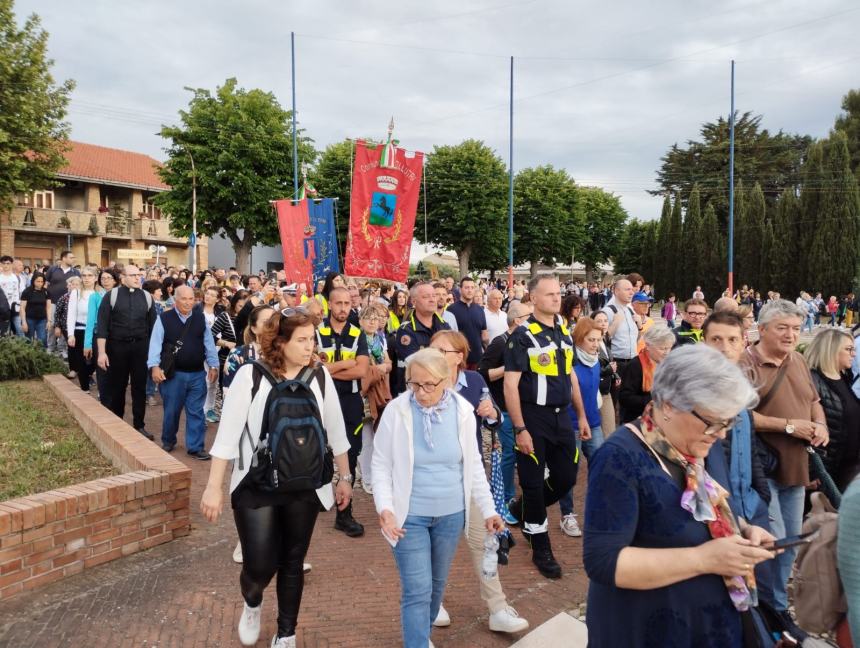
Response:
column 382, row 212
column 296, row 240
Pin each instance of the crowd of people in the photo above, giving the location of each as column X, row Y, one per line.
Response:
column 697, row 440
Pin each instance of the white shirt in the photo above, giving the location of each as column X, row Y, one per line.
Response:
column 11, row 285
column 626, row 335
column 497, row 323
column 239, row 409
column 394, row 456
column 450, row 320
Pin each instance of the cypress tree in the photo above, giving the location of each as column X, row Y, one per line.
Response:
column 712, row 247
column 740, row 268
column 753, row 239
column 769, row 255
column 784, row 252
column 650, row 253
column 834, row 250
column 692, row 242
column 662, row 261
column 805, row 226
column 676, row 252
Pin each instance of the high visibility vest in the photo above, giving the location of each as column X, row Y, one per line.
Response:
column 329, row 349
column 393, row 322
column 544, row 357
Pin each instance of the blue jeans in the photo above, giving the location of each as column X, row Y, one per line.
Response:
column 36, row 330
column 16, row 326
column 786, row 519
column 424, row 557
column 588, row 448
column 509, row 458
column 186, row 389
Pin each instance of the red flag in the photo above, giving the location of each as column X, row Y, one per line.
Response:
column 382, row 213
column 297, row 242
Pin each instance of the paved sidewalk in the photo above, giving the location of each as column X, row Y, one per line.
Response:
column 186, row 593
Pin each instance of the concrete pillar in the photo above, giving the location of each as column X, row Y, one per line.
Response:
column 92, row 197
column 93, row 250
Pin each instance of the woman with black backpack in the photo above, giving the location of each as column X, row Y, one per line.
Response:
column 276, row 501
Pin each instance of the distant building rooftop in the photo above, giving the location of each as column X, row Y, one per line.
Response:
column 92, row 163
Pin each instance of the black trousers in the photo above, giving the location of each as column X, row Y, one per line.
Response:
column 128, row 361
column 275, row 540
column 353, row 417
column 554, row 448
column 78, row 363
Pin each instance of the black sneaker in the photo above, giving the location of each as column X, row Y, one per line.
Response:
column 202, row 455
column 542, row 556
column 345, row 522
column 515, row 508
column 168, row 447
column 145, row 433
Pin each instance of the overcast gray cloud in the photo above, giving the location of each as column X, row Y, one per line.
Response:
column 602, row 88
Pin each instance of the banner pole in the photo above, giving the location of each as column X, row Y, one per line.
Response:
column 731, row 246
column 511, row 186
column 295, row 143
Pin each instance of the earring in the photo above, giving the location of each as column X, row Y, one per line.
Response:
column 666, row 418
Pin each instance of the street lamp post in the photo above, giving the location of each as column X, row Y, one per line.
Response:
column 193, row 213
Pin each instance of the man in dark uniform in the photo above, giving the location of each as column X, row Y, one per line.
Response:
column 416, row 331
column 343, row 348
column 539, row 385
column 125, row 320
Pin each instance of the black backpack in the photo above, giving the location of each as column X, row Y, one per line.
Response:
column 292, row 453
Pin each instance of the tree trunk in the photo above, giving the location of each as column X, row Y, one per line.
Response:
column 533, row 268
column 242, row 249
column 463, row 256
column 589, row 273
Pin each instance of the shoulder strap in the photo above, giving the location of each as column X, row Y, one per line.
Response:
column 613, row 308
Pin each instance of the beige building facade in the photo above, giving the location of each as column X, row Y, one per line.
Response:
column 102, row 210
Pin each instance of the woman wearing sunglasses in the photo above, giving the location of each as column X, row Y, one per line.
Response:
column 274, row 528
column 426, row 472
column 660, row 541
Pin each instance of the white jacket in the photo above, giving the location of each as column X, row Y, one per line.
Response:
column 394, row 456
column 239, row 409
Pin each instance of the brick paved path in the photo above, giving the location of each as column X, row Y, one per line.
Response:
column 186, row 593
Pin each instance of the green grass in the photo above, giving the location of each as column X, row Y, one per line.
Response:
column 41, row 445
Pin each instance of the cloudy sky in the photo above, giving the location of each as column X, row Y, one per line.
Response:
column 601, row 88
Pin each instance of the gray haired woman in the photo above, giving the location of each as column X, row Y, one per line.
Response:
column 661, row 543
column 638, row 376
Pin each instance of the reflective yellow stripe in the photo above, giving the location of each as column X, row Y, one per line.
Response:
column 324, row 330
column 531, row 454
column 346, row 354
column 576, row 456
column 550, row 368
column 358, row 429
column 535, row 328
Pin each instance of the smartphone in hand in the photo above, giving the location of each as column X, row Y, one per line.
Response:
column 794, row 541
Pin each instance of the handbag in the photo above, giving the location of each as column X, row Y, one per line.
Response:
column 169, row 351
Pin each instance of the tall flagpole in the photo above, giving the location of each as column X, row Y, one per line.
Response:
column 732, row 186
column 295, row 144
column 511, row 187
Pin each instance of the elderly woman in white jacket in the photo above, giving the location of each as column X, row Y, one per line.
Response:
column 426, row 470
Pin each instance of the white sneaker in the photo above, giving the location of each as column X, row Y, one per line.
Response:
column 237, row 553
column 283, row 642
column 249, row 625
column 507, row 620
column 569, row 526
column 306, row 568
column 443, row 620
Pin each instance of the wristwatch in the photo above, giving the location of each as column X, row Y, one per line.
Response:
column 519, row 428
column 789, row 428
column 349, row 479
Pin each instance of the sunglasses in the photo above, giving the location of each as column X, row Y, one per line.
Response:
column 295, row 311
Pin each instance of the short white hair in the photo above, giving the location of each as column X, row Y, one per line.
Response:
column 658, row 335
column 696, row 376
column 779, row 309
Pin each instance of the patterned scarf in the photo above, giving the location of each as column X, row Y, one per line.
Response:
column 431, row 414
column 647, row 371
column 706, row 501
column 374, row 345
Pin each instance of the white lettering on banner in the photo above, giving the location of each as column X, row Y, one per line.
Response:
column 408, row 173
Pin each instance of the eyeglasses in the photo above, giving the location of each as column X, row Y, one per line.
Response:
column 445, row 351
column 427, row 388
column 696, row 314
column 715, row 427
column 293, row 311
column 372, row 318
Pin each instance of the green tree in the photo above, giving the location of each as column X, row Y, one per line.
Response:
column 784, row 254
column 811, row 207
column 693, row 251
column 628, row 256
column 836, row 241
column 466, row 200
column 33, row 133
column 713, row 255
column 739, row 268
column 773, row 160
column 649, row 251
column 662, row 262
column 331, row 177
column 769, row 256
column 547, row 226
column 752, row 239
column 603, row 220
column 675, row 251
column 849, row 123
column 240, row 142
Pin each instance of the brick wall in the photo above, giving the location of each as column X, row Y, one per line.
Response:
column 51, row 535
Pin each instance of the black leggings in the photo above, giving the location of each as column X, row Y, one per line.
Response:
column 274, row 540
column 77, row 361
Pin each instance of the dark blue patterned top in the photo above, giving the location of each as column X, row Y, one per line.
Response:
column 632, row 502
